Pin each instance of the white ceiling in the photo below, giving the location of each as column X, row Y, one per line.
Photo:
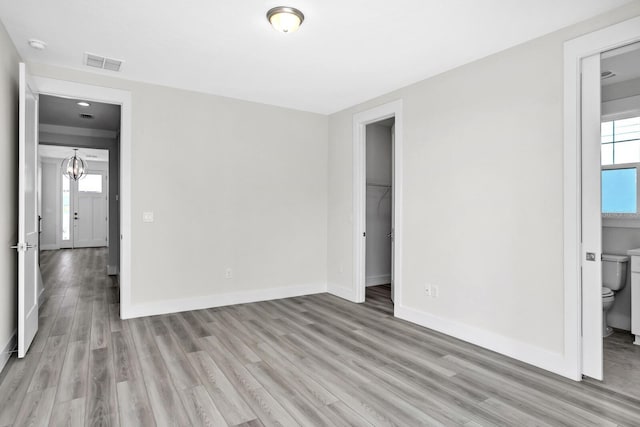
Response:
column 54, row 110
column 58, row 152
column 345, row 52
column 624, row 62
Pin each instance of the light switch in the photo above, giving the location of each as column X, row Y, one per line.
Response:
column 147, row 216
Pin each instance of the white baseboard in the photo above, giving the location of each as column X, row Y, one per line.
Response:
column 342, row 292
column 536, row 356
column 210, row 301
column 5, row 351
column 112, row 270
column 378, row 280
column 49, row 247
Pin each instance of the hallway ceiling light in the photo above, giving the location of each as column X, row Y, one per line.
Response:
column 74, row 167
column 285, row 19
column 83, row 104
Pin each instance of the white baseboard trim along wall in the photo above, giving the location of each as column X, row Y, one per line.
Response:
column 5, row 351
column 342, row 292
column 378, row 280
column 231, row 298
column 550, row 361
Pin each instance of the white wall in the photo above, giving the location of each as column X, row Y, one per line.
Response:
column 8, row 190
column 483, row 202
column 378, row 245
column 232, row 184
column 50, row 203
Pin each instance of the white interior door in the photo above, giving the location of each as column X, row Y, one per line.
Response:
column 592, row 362
column 393, row 204
column 27, row 247
column 90, row 217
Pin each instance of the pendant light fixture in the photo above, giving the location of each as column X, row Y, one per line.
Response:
column 285, row 19
column 74, row 167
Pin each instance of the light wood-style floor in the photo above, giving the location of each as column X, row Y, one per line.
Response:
column 315, row 360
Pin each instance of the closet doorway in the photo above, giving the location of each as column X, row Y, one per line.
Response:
column 377, row 203
column 379, row 210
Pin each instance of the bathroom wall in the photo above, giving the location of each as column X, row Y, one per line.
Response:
column 378, row 255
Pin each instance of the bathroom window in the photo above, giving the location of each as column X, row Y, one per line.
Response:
column 620, row 141
column 620, row 160
column 620, row 191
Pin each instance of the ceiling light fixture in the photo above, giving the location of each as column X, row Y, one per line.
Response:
column 37, row 44
column 285, row 19
column 83, row 104
column 74, row 167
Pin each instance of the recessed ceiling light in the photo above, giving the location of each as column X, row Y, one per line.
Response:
column 37, row 44
column 285, row 19
column 83, row 104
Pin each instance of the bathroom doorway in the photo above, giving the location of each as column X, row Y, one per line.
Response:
column 596, row 204
column 620, row 232
column 379, row 211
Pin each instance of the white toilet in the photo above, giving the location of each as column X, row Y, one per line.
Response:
column 614, row 277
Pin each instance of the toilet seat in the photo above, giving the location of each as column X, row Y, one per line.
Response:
column 606, row 292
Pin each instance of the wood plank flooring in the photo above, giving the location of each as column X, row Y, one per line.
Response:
column 310, row 361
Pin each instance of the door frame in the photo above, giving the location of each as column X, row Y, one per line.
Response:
column 360, row 122
column 575, row 51
column 48, row 86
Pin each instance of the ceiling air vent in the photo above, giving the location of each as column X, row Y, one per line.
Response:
column 86, row 116
column 97, row 61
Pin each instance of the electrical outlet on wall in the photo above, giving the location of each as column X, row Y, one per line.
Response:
column 228, row 273
column 434, row 291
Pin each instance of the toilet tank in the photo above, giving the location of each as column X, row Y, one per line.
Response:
column 614, row 271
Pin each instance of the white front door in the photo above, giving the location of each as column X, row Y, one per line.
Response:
column 90, row 210
column 591, row 253
column 27, row 247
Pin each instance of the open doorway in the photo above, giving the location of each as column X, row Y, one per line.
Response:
column 79, row 220
column 377, row 204
column 379, row 214
column 591, row 202
column 619, row 191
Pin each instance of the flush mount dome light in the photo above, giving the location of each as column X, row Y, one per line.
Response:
column 37, row 44
column 83, row 104
column 285, row 19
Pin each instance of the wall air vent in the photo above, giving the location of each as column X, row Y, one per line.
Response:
column 104, row 63
column 86, row 116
